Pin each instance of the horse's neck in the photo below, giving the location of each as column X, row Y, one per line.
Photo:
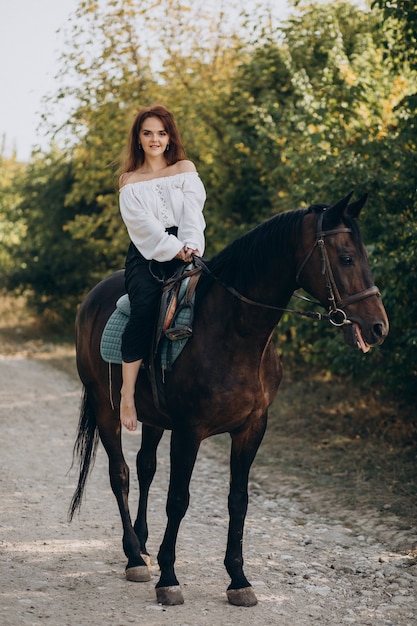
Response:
column 252, row 310
column 275, row 285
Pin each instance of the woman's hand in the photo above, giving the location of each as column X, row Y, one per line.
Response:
column 190, row 252
column 183, row 255
column 186, row 254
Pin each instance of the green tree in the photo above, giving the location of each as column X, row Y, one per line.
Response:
column 49, row 267
column 398, row 20
column 11, row 228
column 344, row 125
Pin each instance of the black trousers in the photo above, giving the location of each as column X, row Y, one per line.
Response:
column 144, row 293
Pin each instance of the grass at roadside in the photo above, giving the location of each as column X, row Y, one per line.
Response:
column 23, row 334
column 348, row 444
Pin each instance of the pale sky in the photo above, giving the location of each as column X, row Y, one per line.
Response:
column 29, row 50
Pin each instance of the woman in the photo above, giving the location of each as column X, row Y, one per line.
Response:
column 161, row 203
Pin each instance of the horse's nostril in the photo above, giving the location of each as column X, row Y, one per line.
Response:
column 378, row 330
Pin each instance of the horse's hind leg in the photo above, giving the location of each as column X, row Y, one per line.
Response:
column 110, row 435
column 146, row 468
column 245, row 444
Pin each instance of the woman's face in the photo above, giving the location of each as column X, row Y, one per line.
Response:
column 153, row 137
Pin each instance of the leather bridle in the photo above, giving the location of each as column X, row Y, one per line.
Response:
column 336, row 314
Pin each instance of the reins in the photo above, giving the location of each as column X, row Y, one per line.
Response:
column 336, row 315
column 312, row 314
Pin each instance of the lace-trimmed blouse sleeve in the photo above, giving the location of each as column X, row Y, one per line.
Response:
column 149, row 207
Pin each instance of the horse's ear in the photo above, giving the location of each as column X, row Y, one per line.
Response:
column 333, row 215
column 355, row 208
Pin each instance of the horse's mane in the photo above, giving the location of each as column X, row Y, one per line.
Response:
column 243, row 259
column 240, row 262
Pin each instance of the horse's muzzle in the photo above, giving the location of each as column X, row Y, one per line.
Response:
column 365, row 338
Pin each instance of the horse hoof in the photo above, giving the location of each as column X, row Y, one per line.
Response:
column 169, row 596
column 242, row 597
column 139, row 574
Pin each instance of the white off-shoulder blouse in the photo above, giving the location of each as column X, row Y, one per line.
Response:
column 149, row 207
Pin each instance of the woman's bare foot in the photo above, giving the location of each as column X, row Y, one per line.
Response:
column 128, row 415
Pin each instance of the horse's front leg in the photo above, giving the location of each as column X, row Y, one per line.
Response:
column 184, row 449
column 146, row 468
column 110, row 435
column 245, row 444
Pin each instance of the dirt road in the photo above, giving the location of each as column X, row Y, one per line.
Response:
column 306, row 569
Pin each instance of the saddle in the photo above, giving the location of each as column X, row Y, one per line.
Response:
column 173, row 327
column 176, row 314
column 174, row 323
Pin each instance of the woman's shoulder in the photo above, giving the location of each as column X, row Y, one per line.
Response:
column 125, row 178
column 173, row 174
column 183, row 166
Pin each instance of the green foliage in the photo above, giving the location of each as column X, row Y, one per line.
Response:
column 11, row 228
column 49, row 265
column 365, row 137
column 274, row 118
column 399, row 26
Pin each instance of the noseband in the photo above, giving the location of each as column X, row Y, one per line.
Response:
column 336, row 315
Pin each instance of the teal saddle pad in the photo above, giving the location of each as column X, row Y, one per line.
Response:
column 111, row 340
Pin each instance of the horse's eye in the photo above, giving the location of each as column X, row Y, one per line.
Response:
column 347, row 260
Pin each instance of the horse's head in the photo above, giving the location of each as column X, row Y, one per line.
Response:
column 333, row 267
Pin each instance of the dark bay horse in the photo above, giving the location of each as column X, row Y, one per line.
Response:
column 228, row 374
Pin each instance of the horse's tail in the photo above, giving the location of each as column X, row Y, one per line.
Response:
column 85, row 449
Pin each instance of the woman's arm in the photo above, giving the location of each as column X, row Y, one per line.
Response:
column 192, row 223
